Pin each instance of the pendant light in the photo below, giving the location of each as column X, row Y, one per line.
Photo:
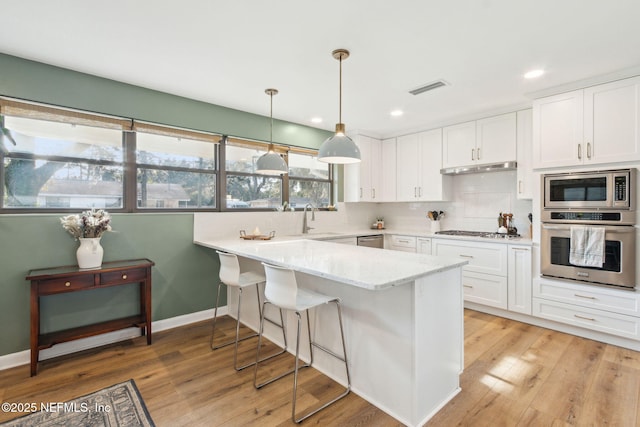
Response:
column 271, row 163
column 339, row 148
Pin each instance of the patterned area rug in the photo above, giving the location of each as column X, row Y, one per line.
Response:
column 117, row 406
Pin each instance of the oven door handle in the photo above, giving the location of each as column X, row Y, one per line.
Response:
column 611, row 229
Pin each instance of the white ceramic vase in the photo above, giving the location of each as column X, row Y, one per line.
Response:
column 89, row 253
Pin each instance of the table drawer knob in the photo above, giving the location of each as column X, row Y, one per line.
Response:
column 124, row 277
column 67, row 284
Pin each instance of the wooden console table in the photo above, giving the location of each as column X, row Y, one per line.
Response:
column 51, row 281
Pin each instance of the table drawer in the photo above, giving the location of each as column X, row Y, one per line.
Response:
column 128, row 276
column 64, row 284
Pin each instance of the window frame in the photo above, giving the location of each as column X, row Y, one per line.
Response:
column 130, row 165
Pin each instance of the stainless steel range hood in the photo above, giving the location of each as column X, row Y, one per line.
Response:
column 493, row 167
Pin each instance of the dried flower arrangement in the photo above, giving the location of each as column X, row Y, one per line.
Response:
column 88, row 224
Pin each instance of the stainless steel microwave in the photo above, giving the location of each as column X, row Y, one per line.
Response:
column 596, row 196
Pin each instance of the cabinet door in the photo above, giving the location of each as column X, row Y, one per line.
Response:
column 612, row 122
column 519, row 279
column 459, row 145
column 524, row 152
column 496, row 139
column 423, row 245
column 407, row 168
column 364, row 143
column 432, row 185
column 558, row 130
column 374, row 172
column 388, row 174
column 488, row 258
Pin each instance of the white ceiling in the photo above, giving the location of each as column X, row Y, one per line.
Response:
column 229, row 52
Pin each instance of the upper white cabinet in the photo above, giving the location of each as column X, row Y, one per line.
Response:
column 524, row 152
column 600, row 124
column 490, row 140
column 362, row 180
column 388, row 173
column 418, row 168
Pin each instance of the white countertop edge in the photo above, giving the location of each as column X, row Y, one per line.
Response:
column 227, row 245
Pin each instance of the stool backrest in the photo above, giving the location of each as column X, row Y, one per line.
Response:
column 229, row 269
column 281, row 288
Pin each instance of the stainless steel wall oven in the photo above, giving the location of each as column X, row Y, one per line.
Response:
column 589, row 212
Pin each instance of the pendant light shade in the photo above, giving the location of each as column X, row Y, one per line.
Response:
column 339, row 149
column 271, row 163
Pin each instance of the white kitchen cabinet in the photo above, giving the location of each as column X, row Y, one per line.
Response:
column 389, row 171
column 524, row 154
column 423, row 245
column 596, row 125
column 484, row 278
column 496, row 139
column 519, row 279
column 419, row 160
column 362, row 180
column 402, row 243
column 608, row 310
column 459, row 145
column 485, row 141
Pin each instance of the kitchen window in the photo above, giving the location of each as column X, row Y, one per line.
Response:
column 175, row 168
column 59, row 160
column 246, row 189
column 309, row 180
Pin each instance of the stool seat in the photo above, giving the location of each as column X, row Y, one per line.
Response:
column 281, row 290
column 231, row 276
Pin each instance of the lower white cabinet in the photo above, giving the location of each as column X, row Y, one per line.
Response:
column 423, row 245
column 402, row 243
column 485, row 277
column 519, row 279
column 612, row 311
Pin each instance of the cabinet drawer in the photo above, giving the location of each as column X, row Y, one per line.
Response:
column 490, row 258
column 408, row 242
column 485, row 289
column 597, row 320
column 58, row 285
column 129, row 276
column 597, row 297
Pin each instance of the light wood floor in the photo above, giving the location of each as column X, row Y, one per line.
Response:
column 515, row 375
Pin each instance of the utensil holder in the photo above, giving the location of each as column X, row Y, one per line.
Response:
column 435, row 226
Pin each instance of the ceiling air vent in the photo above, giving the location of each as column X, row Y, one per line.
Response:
column 428, row 87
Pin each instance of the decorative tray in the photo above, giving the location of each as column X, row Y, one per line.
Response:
column 245, row 236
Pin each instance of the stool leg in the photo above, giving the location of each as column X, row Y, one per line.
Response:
column 343, row 358
column 215, row 317
column 295, row 373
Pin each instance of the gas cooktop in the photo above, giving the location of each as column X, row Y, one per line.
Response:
column 485, row 234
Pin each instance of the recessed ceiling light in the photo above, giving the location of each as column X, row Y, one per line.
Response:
column 316, row 120
column 533, row 74
column 397, row 113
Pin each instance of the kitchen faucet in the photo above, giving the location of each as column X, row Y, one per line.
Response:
column 305, row 227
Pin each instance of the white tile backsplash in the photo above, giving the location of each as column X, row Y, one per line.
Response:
column 478, row 199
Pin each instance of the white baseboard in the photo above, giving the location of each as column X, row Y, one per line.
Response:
column 24, row 357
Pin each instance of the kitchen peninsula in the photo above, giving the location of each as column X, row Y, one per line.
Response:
column 403, row 317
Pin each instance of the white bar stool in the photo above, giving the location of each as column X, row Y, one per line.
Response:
column 230, row 275
column 281, row 290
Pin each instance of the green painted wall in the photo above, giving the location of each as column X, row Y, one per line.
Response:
column 185, row 275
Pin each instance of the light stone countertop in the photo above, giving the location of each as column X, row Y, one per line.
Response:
column 369, row 268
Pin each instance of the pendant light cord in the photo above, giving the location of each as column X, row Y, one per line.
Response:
column 271, row 130
column 340, row 94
